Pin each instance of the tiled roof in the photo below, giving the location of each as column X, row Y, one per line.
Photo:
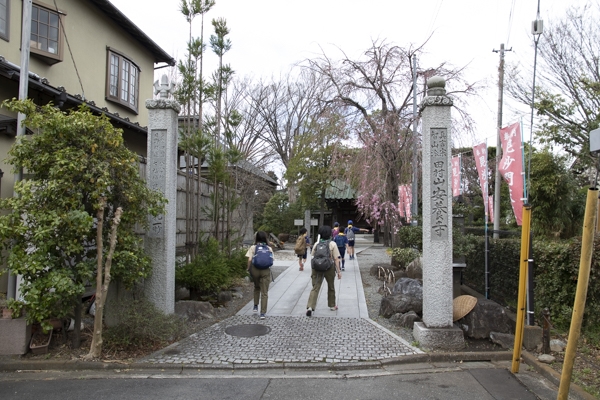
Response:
column 340, row 190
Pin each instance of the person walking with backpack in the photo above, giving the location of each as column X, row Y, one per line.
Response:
column 349, row 232
column 325, row 263
column 336, row 230
column 301, row 247
column 260, row 260
column 341, row 241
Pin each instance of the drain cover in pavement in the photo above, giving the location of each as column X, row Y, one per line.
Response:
column 248, row 330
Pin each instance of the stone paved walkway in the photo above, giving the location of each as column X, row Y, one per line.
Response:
column 287, row 334
column 291, row 339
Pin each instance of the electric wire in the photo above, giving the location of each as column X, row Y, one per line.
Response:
column 433, row 21
column 70, row 51
column 510, row 22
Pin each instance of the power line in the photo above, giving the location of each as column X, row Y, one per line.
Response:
column 70, row 52
column 510, row 21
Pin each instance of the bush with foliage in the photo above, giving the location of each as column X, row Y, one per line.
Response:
column 278, row 215
column 503, row 269
column 237, row 263
column 410, row 236
column 556, row 275
column 207, row 273
column 556, row 268
column 143, row 326
column 77, row 164
column 401, row 257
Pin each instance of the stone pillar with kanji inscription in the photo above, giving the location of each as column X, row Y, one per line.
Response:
column 161, row 175
column 437, row 330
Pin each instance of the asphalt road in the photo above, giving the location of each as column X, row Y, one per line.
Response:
column 409, row 382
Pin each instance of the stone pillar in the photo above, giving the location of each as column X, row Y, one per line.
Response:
column 161, row 175
column 437, row 330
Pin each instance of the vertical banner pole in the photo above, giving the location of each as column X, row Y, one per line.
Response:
column 587, row 247
column 525, row 236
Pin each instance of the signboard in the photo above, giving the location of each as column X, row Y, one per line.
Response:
column 298, row 222
column 314, row 222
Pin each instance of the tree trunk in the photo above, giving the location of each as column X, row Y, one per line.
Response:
column 103, row 278
column 76, row 338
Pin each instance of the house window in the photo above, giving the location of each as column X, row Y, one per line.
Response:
column 4, row 18
column 46, row 29
column 123, row 83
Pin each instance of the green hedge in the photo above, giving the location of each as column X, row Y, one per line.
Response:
column 556, row 275
column 556, row 266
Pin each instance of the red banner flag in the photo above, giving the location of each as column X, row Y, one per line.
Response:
column 480, row 153
column 405, row 201
column 511, row 166
column 491, row 207
column 456, row 176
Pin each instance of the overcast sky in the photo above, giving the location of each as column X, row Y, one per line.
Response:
column 268, row 36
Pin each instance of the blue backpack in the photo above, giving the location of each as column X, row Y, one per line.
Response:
column 340, row 240
column 263, row 257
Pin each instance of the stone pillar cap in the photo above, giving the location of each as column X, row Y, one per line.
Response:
column 436, row 86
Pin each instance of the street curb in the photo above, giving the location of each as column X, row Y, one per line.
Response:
column 77, row 365
column 553, row 376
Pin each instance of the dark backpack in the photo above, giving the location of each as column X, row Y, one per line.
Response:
column 349, row 233
column 263, row 257
column 321, row 260
column 300, row 247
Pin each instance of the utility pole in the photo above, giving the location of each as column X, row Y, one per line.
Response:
column 415, row 170
column 23, row 89
column 498, row 143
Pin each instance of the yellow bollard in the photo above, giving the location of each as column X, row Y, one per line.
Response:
column 525, row 230
column 587, row 247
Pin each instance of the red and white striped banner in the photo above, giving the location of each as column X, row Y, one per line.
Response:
column 456, row 176
column 405, row 201
column 511, row 167
column 480, row 153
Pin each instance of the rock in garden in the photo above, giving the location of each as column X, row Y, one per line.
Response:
column 505, row 340
column 224, row 297
column 557, row 345
column 546, row 359
column 411, row 287
column 406, row 320
column 487, row 316
column 400, row 303
column 400, row 274
column 414, row 270
column 194, row 310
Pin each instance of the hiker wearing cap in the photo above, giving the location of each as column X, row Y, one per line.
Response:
column 341, row 241
column 349, row 232
column 335, row 231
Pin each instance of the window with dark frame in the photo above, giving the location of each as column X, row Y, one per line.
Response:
column 122, row 84
column 4, row 19
column 45, row 38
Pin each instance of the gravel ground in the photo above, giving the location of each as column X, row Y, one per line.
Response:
column 376, row 254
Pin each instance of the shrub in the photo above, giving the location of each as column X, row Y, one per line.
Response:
column 208, row 273
column 143, row 326
column 556, row 276
column 410, row 236
column 503, row 269
column 237, row 263
column 404, row 256
column 556, row 269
